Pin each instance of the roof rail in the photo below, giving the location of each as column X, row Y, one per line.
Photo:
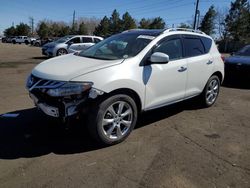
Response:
column 184, row 29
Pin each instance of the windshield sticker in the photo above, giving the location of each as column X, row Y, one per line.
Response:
column 146, row 37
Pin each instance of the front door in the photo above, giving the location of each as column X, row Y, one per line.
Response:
column 166, row 83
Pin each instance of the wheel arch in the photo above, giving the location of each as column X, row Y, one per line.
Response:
column 219, row 74
column 127, row 91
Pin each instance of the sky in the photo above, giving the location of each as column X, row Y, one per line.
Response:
column 172, row 11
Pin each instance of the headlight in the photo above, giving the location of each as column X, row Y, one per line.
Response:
column 70, row 88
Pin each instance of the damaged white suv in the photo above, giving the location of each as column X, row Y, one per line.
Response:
column 127, row 73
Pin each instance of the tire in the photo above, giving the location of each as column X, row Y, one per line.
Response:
column 37, row 44
column 211, row 91
column 14, row 42
column 107, row 124
column 61, row 51
column 26, row 42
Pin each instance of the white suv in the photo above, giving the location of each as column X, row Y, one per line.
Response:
column 126, row 74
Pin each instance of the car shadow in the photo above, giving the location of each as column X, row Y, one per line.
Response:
column 41, row 57
column 33, row 134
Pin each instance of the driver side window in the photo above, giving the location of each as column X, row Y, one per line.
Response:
column 172, row 47
column 75, row 40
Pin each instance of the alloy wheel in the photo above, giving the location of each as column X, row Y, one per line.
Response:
column 117, row 120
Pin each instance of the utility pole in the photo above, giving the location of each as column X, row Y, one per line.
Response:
column 198, row 21
column 73, row 24
column 32, row 25
column 195, row 15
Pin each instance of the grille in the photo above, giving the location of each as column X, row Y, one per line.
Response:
column 34, row 82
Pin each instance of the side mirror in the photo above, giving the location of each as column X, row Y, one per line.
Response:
column 159, row 58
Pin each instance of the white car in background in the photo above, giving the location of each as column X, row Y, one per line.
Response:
column 125, row 74
column 69, row 44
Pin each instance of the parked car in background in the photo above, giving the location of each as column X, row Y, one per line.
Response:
column 20, row 40
column 85, row 44
column 238, row 64
column 72, row 42
column 4, row 39
column 9, row 39
column 134, row 71
column 41, row 42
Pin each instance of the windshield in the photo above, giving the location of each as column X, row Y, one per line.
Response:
column 119, row 46
column 244, row 51
column 63, row 39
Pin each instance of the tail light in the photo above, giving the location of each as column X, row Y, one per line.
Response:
column 223, row 58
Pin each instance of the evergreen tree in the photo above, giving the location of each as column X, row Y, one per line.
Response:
column 11, row 31
column 82, row 29
column 115, row 22
column 207, row 24
column 22, row 29
column 43, row 30
column 238, row 21
column 128, row 22
column 103, row 29
column 157, row 23
column 144, row 23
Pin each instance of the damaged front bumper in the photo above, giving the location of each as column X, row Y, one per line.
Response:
column 61, row 99
column 61, row 108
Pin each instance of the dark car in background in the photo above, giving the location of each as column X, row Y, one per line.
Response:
column 238, row 65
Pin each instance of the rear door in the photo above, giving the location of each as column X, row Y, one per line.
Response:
column 86, row 43
column 199, row 63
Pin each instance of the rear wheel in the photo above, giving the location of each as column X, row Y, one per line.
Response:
column 61, row 51
column 113, row 119
column 211, row 91
column 14, row 42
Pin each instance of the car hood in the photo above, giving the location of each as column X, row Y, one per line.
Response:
column 238, row 59
column 67, row 67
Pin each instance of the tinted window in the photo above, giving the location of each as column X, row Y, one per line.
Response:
column 207, row 43
column 193, row 47
column 172, row 48
column 96, row 40
column 86, row 39
column 75, row 40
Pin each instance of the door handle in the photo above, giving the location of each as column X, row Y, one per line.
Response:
column 182, row 69
column 209, row 62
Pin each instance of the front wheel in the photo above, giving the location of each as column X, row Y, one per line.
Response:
column 61, row 51
column 113, row 119
column 211, row 91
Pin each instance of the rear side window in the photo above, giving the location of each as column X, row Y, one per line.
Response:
column 193, row 47
column 173, row 48
column 207, row 43
column 96, row 40
column 86, row 39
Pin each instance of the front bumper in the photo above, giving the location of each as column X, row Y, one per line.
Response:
column 59, row 108
column 47, row 52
